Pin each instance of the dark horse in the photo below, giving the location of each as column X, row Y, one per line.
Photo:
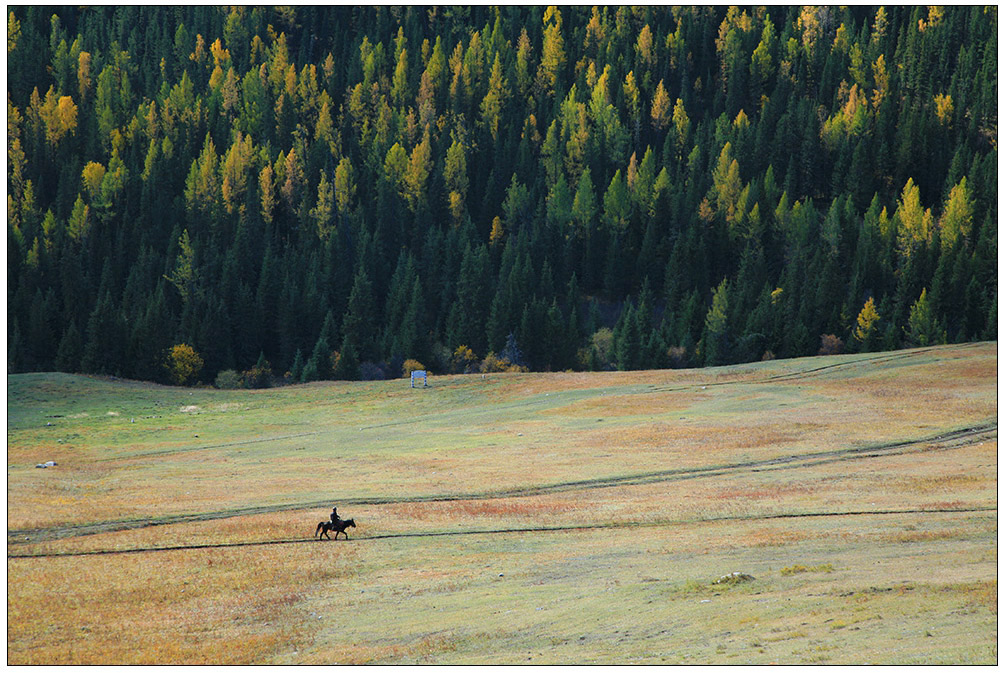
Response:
column 337, row 526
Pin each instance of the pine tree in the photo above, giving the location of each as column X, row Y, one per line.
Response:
column 627, row 340
column 297, row 368
column 345, row 186
column 715, row 340
column 347, row 367
column 318, row 365
column 727, row 187
column 957, row 218
column 417, row 173
column 923, row 328
column 70, row 350
column 584, row 203
column 323, row 212
column 616, row 204
column 104, row 339
column 359, row 325
column 660, row 113
column 914, row 222
column 455, row 177
column 469, row 311
column 184, row 276
column 552, row 58
column 492, row 103
column 865, row 333
column 235, row 169
column 511, row 352
column 411, row 339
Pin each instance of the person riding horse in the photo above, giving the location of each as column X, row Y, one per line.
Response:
column 336, row 524
column 324, row 527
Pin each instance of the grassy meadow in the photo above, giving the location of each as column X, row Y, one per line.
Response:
column 566, row 518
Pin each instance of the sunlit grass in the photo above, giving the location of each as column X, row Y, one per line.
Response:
column 218, row 606
column 654, row 484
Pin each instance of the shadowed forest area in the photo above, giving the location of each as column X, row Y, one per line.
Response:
column 250, row 196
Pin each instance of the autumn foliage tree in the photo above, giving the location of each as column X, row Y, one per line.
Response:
column 183, row 364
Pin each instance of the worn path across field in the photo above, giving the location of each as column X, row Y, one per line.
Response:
column 507, row 531
column 942, row 441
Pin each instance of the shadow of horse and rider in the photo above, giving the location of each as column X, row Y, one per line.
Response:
column 336, row 524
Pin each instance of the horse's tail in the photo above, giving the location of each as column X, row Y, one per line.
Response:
column 317, row 531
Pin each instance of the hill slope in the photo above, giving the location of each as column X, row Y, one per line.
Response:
column 513, row 518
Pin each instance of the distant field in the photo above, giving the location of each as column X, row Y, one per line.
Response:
column 578, row 518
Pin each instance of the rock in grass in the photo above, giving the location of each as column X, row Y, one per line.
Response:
column 48, row 463
column 734, row 578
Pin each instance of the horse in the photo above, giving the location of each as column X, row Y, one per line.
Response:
column 337, row 526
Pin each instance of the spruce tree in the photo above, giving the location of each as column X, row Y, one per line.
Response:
column 715, row 340
column 359, row 324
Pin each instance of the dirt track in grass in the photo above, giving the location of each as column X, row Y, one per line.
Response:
column 502, row 531
column 939, row 442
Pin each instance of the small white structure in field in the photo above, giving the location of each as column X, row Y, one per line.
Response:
column 419, row 374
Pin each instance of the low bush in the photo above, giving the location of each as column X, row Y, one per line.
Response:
column 259, row 376
column 371, row 371
column 410, row 366
column 677, row 356
column 830, row 344
column 463, row 360
column 183, row 364
column 493, row 363
column 603, row 343
column 228, row 379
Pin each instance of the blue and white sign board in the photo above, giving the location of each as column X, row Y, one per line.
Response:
column 419, row 374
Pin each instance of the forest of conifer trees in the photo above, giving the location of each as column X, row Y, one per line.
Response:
column 251, row 196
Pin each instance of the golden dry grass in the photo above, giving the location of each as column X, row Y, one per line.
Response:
column 218, row 606
column 495, row 508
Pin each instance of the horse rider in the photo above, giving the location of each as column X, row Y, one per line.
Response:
column 334, row 515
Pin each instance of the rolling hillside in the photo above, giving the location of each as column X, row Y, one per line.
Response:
column 514, row 518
